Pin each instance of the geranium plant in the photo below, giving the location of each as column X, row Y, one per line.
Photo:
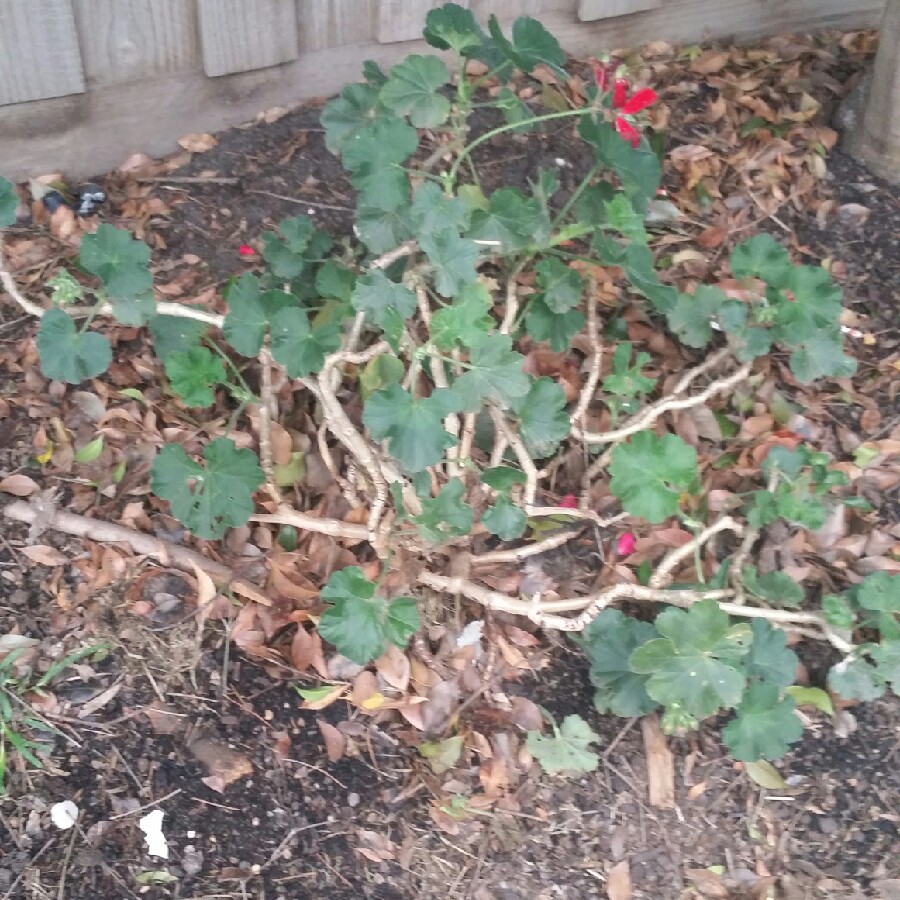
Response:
column 422, row 326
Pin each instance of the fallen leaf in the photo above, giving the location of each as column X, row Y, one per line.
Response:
column 707, row 62
column 618, row 881
column 660, row 765
column 335, row 741
column 19, row 485
column 45, row 555
column 224, row 764
column 197, row 143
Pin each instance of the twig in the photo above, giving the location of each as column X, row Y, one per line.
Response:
column 663, row 574
column 512, row 305
column 299, row 201
column 518, row 447
column 189, row 179
column 266, row 414
column 590, row 385
column 649, row 415
column 517, row 554
column 537, row 512
column 407, row 248
column 332, row 527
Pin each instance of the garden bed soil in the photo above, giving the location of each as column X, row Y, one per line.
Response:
column 253, row 806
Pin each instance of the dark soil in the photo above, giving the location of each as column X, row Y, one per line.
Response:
column 295, row 825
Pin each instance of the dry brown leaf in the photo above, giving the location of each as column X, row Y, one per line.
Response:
column 375, row 847
column 45, row 555
column 335, row 741
column 224, row 764
column 709, row 61
column 197, row 143
column 618, row 881
column 660, row 764
column 19, row 485
column 393, row 666
column 163, row 718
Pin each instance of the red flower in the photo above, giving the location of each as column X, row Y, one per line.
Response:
column 629, row 107
column 246, row 250
column 603, row 72
column 626, row 544
column 570, row 501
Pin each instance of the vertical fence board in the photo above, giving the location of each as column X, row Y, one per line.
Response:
column 336, row 23
column 39, row 53
column 591, row 10
column 403, row 20
column 125, row 40
column 505, row 10
column 242, row 35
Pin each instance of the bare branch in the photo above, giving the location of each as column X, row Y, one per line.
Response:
column 535, row 512
column 512, row 305
column 518, row 447
column 517, row 554
column 333, row 527
column 663, row 574
column 590, row 385
column 407, row 248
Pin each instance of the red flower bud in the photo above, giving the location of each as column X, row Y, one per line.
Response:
column 625, row 545
column 570, row 501
column 246, row 250
column 620, row 93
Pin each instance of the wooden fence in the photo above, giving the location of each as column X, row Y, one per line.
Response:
column 84, row 83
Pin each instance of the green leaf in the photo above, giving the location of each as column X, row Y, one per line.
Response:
column 543, row 420
column 193, row 374
column 360, row 624
column 412, row 90
column 692, row 317
column 67, row 354
column 561, row 286
column 637, row 261
column 494, row 372
column 822, row 356
column 376, row 296
column 776, row 587
column 608, row 642
column 134, row 311
column 502, row 478
column 764, row 726
column 414, row 428
column 335, row 282
column 174, row 334
column 531, row 45
column 445, row 516
column 692, row 664
column 385, row 369
column 808, row 696
column 451, row 27
column 626, row 380
column 300, row 349
column 638, row 168
column 346, row 116
column 504, row 519
column 283, row 252
column 208, row 499
column 9, row 200
column 567, row 750
column 374, row 157
column 382, row 230
column 91, row 451
column 443, row 755
column 761, row 257
column 465, row 320
column 515, row 111
column 886, row 656
column 749, row 341
column 769, row 658
column 650, row 472
column 765, row 775
column 838, row 611
column 557, row 329
column 66, row 289
column 120, row 261
column 856, row 679
column 453, row 260
column 432, row 210
column 373, row 73
column 879, row 592
column 245, row 323
column 513, row 220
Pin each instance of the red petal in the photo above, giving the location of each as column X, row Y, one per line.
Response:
column 601, row 76
column 620, row 93
column 628, row 131
column 570, row 501
column 626, row 544
column 640, row 100
column 246, row 250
